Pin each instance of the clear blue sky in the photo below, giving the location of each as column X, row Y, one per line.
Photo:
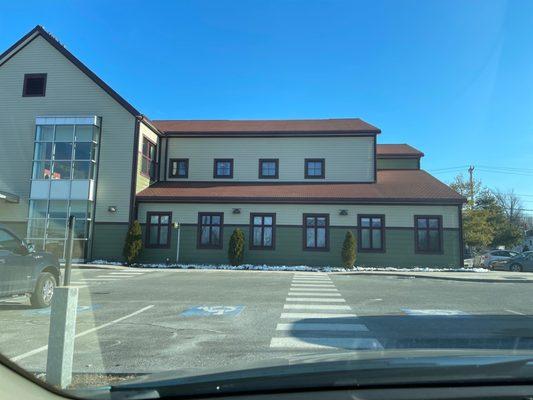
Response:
column 452, row 78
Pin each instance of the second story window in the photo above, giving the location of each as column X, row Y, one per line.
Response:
column 179, row 168
column 223, row 168
column 315, row 168
column 268, row 168
column 148, row 162
column 34, row 85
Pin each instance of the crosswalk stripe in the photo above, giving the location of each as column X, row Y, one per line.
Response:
column 311, row 289
column 321, row 281
column 317, row 294
column 301, row 315
column 315, row 299
column 325, row 342
column 311, row 326
column 312, row 285
column 316, row 307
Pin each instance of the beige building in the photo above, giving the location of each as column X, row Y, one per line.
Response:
column 70, row 145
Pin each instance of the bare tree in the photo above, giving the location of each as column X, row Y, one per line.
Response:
column 511, row 206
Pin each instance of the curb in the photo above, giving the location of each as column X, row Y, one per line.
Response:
column 445, row 278
column 97, row 266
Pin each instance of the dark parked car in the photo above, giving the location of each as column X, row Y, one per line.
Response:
column 521, row 262
column 25, row 271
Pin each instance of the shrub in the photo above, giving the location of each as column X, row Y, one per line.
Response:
column 133, row 244
column 348, row 250
column 236, row 247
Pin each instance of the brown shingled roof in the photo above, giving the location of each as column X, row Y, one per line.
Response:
column 393, row 186
column 397, row 150
column 345, row 125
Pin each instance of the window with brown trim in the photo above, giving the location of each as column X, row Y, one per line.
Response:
column 315, row 168
column 210, row 227
column 34, row 85
column 262, row 230
column 158, row 229
column 371, row 233
column 268, row 168
column 428, row 233
column 223, row 168
column 178, row 168
column 148, row 158
column 316, row 232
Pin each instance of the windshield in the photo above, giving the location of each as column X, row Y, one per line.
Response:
column 215, row 191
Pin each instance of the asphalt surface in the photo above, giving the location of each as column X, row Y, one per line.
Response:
column 139, row 321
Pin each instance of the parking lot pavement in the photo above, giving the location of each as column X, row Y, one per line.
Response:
column 155, row 320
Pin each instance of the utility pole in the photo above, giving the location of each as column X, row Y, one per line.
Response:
column 471, row 173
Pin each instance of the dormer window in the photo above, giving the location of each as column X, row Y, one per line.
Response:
column 34, row 85
column 315, row 168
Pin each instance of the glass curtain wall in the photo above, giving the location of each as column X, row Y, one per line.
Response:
column 62, row 152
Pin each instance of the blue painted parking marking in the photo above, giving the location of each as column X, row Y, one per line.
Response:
column 47, row 311
column 212, row 311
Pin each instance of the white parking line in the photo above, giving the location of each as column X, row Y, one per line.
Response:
column 301, row 315
column 99, row 279
column 315, row 299
column 315, row 307
column 321, row 326
column 96, row 328
column 325, row 343
column 317, row 294
column 514, row 312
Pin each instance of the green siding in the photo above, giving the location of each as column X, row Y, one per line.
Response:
column 108, row 241
column 397, row 163
column 399, row 250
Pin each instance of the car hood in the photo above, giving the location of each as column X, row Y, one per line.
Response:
column 339, row 369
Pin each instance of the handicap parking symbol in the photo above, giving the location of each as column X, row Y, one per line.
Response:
column 212, row 311
column 47, row 311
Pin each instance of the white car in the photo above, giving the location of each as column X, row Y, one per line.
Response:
column 496, row 255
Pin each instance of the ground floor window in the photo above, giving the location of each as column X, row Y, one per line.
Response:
column 316, row 231
column 158, row 229
column 210, row 230
column 371, row 232
column 262, row 231
column 428, row 234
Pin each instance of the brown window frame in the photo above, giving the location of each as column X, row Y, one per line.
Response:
column 304, row 232
column 276, row 163
column 439, row 229
column 321, row 160
column 25, row 84
column 262, row 226
column 199, row 244
column 360, row 228
column 217, row 160
column 149, row 160
column 177, row 160
column 149, row 224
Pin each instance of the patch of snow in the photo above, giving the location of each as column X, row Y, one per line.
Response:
column 105, row 262
column 251, row 267
column 420, row 269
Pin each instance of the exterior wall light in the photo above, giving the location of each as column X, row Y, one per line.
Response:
column 112, row 209
column 343, row 212
column 236, row 211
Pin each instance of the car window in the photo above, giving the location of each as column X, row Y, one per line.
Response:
column 8, row 241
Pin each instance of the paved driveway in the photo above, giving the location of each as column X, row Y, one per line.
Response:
column 138, row 321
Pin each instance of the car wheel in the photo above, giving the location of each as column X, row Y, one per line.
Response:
column 515, row 268
column 44, row 291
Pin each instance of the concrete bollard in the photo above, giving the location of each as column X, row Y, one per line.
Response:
column 61, row 336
